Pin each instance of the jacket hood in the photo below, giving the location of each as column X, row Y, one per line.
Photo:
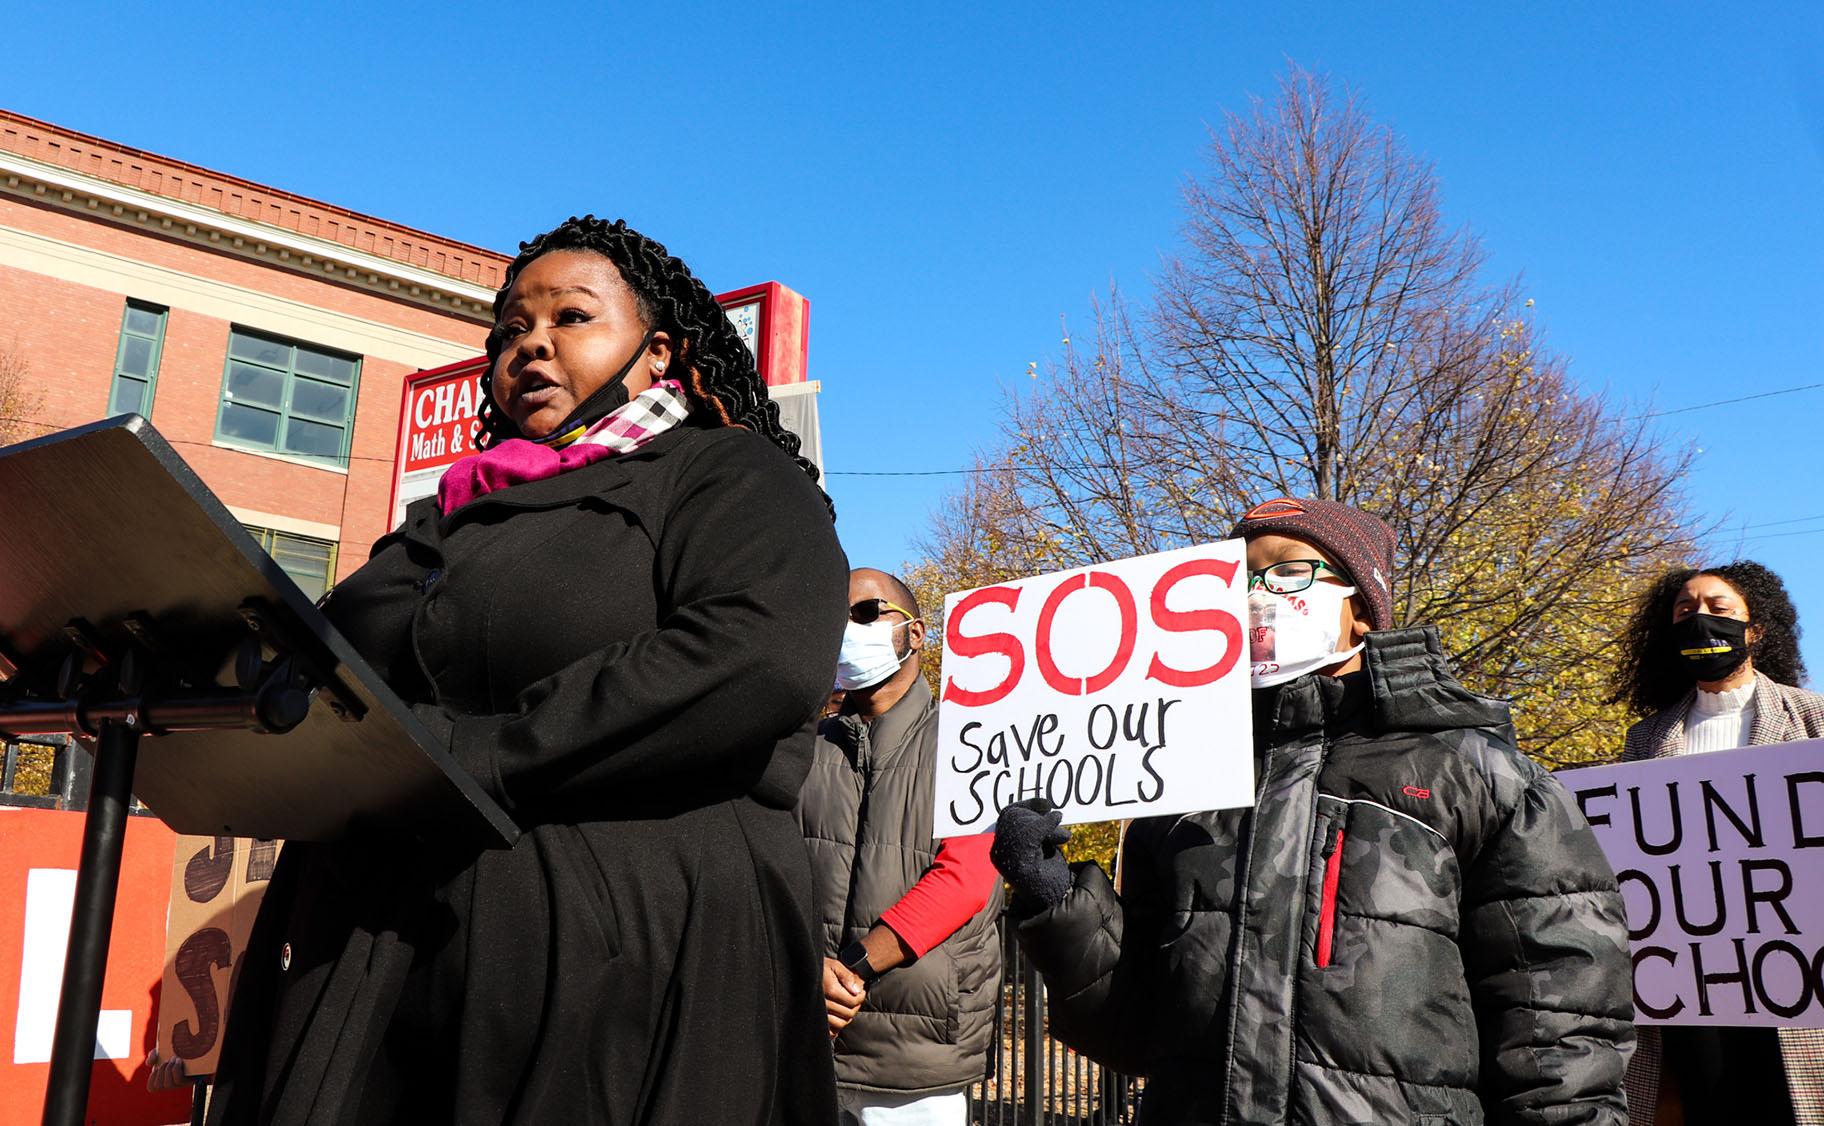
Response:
column 1405, row 685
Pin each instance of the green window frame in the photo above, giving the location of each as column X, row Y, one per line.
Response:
column 142, row 342
column 309, row 561
column 283, row 397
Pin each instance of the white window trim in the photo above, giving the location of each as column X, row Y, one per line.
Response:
column 290, row 525
column 308, row 463
column 315, row 250
column 262, row 312
column 788, row 390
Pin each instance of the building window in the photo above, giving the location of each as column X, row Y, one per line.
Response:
column 142, row 338
column 288, row 398
column 311, row 563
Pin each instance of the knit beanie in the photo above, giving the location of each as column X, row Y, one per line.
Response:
column 1359, row 543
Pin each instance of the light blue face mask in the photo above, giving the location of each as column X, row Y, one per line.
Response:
column 868, row 656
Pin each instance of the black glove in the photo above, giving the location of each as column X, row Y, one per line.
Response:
column 1026, row 842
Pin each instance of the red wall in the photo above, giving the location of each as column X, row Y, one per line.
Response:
column 37, row 838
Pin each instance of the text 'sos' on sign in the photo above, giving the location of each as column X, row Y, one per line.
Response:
column 1114, row 691
column 1718, row 857
column 217, row 884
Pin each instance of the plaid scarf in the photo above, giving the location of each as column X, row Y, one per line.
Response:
column 516, row 460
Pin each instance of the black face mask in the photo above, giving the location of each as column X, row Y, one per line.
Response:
column 1709, row 647
column 604, row 400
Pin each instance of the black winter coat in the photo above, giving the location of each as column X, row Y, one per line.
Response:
column 629, row 657
column 1413, row 925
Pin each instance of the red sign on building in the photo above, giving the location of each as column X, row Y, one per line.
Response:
column 437, row 421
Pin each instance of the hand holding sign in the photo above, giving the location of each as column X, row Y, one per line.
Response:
column 1111, row 691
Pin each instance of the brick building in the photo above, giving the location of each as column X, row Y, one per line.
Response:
column 269, row 337
column 266, row 335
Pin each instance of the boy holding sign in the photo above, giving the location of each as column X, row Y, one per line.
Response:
column 1412, row 925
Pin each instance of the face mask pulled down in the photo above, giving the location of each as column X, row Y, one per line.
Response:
column 1290, row 635
column 603, row 401
column 868, row 655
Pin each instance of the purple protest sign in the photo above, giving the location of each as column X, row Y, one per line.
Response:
column 1720, row 858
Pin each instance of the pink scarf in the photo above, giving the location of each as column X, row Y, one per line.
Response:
column 516, row 460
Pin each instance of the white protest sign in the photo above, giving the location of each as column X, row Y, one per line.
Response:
column 1119, row 690
column 1720, row 858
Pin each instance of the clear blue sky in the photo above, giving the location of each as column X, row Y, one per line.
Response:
column 944, row 186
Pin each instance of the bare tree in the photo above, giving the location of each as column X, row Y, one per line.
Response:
column 19, row 400
column 1324, row 333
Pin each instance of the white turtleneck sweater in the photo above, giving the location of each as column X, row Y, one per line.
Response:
column 1720, row 721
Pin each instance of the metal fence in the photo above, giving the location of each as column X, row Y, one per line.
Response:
column 1031, row 1079
column 48, row 772
column 45, row 772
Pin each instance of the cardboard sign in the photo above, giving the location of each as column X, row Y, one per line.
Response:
column 1113, row 691
column 1719, row 857
column 39, row 849
column 216, row 887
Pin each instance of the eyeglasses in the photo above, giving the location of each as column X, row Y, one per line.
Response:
column 1290, row 576
column 870, row 609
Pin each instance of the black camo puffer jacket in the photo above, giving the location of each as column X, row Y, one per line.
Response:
column 1414, row 925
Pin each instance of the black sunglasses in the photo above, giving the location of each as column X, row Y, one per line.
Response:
column 870, row 609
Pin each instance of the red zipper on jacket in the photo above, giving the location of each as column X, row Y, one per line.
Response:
column 1326, row 909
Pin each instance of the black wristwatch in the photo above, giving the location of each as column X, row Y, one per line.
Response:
column 855, row 957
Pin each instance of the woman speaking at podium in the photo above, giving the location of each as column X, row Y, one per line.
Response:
column 621, row 617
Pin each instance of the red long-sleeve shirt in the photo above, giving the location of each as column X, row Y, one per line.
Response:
column 950, row 893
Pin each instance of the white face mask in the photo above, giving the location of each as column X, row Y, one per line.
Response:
column 1290, row 635
column 868, row 656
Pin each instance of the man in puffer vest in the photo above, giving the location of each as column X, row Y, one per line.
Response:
column 1413, row 924
column 908, row 921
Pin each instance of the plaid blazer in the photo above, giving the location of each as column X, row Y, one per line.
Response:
column 1783, row 714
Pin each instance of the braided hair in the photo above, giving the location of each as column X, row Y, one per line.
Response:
column 1649, row 678
column 719, row 375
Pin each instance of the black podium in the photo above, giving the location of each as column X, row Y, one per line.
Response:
column 132, row 603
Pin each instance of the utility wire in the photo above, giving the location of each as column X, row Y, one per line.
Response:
column 49, row 429
column 996, row 469
column 1775, row 523
column 1783, row 535
column 932, row 472
column 1740, row 534
column 1737, row 399
column 1647, row 415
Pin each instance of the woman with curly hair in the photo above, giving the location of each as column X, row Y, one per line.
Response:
column 621, row 618
column 1711, row 662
